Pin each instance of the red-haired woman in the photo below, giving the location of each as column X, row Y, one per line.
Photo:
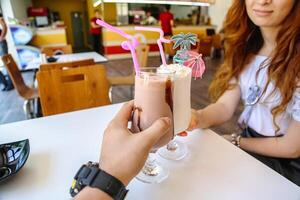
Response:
column 262, row 68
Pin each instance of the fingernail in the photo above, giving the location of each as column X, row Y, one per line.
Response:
column 183, row 134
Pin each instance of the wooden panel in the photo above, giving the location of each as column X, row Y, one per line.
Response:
column 205, row 46
column 73, row 89
column 142, row 52
column 66, row 65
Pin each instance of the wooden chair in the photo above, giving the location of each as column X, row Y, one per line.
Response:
column 73, row 89
column 142, row 52
column 168, row 48
column 205, row 46
column 56, row 50
column 66, row 65
column 217, row 41
column 217, row 46
column 29, row 94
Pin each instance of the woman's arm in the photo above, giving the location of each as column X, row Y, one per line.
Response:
column 94, row 25
column 287, row 146
column 217, row 113
column 172, row 23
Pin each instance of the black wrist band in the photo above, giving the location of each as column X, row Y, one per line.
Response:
column 91, row 175
column 109, row 184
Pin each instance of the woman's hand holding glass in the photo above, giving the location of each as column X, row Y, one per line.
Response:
column 195, row 120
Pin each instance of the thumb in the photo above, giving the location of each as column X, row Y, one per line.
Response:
column 158, row 129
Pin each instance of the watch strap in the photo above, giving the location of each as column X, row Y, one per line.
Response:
column 109, row 184
column 91, row 175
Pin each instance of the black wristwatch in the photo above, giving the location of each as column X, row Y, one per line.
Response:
column 91, row 175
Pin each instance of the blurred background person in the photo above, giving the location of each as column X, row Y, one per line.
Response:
column 166, row 21
column 96, row 32
column 150, row 20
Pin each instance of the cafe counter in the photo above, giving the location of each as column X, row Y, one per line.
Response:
column 48, row 36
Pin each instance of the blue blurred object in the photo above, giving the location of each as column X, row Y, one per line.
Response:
column 13, row 156
column 21, row 34
column 28, row 54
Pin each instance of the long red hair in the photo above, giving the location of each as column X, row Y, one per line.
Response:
column 243, row 40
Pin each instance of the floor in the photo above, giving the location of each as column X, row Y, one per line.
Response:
column 11, row 105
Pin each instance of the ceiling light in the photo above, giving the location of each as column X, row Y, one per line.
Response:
column 188, row 3
column 97, row 3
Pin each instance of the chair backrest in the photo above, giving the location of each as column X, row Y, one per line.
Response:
column 168, row 48
column 66, row 65
column 205, row 46
column 73, row 89
column 142, row 52
column 210, row 31
column 217, row 41
column 15, row 75
column 56, row 50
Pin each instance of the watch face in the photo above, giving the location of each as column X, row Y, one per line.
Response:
column 12, row 158
column 75, row 188
column 81, row 178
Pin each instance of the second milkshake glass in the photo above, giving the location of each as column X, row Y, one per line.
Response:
column 175, row 149
column 153, row 99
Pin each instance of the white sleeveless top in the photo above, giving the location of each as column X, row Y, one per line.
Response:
column 261, row 118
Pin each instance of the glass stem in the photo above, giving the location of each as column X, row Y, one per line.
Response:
column 172, row 145
column 151, row 167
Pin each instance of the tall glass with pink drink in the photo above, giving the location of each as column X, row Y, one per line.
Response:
column 153, row 99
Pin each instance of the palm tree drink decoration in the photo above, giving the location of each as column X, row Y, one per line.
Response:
column 185, row 56
column 186, row 63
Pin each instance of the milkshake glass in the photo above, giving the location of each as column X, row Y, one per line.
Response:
column 176, row 150
column 153, row 99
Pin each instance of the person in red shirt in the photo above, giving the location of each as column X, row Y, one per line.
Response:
column 166, row 21
column 96, row 32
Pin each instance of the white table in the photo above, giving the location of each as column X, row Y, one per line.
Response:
column 81, row 56
column 215, row 169
column 35, row 64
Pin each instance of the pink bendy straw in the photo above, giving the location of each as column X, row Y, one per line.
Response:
column 127, row 45
column 159, row 41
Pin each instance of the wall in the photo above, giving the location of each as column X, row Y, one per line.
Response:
column 65, row 7
column 20, row 8
column 90, row 8
column 8, row 12
column 218, row 11
column 110, row 12
column 7, row 9
column 181, row 12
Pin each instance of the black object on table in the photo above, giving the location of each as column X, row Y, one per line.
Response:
column 12, row 158
column 51, row 59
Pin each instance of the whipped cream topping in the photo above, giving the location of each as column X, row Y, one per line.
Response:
column 180, row 70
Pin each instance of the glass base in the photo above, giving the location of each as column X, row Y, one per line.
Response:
column 152, row 172
column 152, row 175
column 175, row 150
